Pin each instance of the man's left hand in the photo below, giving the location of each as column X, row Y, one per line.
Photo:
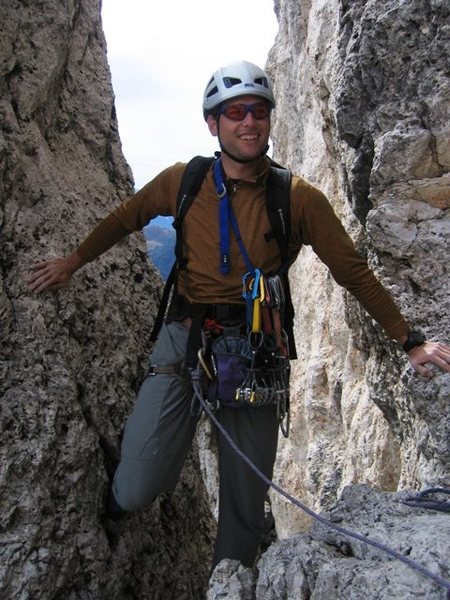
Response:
column 430, row 352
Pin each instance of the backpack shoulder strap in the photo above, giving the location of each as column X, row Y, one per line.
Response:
column 278, row 204
column 278, row 201
column 191, row 181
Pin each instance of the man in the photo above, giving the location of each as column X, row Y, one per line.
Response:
column 237, row 104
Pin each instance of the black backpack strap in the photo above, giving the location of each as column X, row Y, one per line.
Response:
column 164, row 302
column 278, row 203
column 289, row 314
column 192, row 179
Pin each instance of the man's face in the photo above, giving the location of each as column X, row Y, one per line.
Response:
column 245, row 139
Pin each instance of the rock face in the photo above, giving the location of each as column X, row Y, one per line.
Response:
column 325, row 564
column 362, row 111
column 363, row 95
column 72, row 360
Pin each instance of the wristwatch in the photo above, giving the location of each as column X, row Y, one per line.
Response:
column 415, row 338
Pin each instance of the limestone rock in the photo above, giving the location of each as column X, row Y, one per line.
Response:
column 324, row 563
column 231, row 580
column 72, row 360
column 362, row 112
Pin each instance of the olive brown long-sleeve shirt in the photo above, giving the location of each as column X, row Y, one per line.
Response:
column 313, row 222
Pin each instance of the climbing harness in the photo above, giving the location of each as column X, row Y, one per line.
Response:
column 234, row 373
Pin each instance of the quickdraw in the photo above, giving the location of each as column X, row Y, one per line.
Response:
column 264, row 298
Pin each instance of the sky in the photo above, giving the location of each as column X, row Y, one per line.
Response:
column 161, row 56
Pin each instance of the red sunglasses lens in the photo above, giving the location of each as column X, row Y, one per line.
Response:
column 238, row 112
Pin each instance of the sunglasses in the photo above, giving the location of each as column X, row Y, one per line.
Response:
column 238, row 112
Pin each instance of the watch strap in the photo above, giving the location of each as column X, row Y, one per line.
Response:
column 414, row 339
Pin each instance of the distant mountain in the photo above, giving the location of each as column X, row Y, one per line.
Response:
column 160, row 240
column 165, row 222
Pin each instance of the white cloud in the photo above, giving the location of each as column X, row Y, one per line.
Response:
column 161, row 56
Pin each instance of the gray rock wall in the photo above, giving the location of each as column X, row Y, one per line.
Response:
column 363, row 96
column 72, row 360
column 324, row 564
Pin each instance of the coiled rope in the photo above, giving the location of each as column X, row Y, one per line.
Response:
column 440, row 581
column 424, row 500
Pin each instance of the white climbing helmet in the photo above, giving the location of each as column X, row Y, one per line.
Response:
column 238, row 79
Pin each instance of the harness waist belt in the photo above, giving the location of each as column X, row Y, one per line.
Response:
column 224, row 313
column 180, row 308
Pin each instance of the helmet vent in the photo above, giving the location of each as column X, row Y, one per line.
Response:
column 228, row 82
column 211, row 92
column 262, row 81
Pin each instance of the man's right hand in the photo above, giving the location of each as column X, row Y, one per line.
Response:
column 53, row 274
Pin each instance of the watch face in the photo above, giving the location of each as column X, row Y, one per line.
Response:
column 415, row 338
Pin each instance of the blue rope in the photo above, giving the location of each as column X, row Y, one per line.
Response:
column 394, row 553
column 422, row 500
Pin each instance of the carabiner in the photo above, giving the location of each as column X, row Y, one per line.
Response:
column 258, row 336
column 255, row 286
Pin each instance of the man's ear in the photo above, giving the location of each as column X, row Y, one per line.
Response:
column 212, row 125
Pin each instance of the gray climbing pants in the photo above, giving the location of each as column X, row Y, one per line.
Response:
column 157, row 439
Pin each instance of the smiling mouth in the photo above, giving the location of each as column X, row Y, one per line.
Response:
column 248, row 137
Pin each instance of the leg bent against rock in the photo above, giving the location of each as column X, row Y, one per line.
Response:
column 159, row 432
